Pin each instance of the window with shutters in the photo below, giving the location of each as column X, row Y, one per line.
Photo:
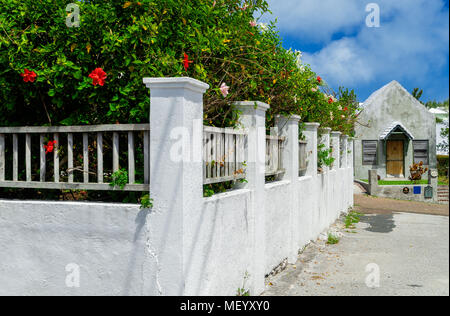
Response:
column 369, row 152
column 421, row 151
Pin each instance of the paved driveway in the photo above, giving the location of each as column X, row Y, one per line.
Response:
column 409, row 252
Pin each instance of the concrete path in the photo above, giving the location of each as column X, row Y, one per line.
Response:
column 410, row 251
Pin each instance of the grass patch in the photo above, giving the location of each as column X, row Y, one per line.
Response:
column 332, row 239
column 399, row 182
column 443, row 180
column 351, row 219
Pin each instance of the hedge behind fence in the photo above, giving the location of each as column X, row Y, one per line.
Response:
column 219, row 42
column 442, row 162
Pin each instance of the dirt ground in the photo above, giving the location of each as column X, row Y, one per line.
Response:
column 376, row 205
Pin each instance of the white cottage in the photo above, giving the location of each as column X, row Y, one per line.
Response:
column 396, row 131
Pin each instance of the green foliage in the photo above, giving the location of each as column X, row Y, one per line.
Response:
column 351, row 219
column 119, row 179
column 208, row 191
column 444, row 134
column 132, row 40
column 146, row 201
column 324, row 156
column 442, row 165
column 417, row 93
column 332, row 239
column 435, row 104
column 243, row 291
column 215, row 188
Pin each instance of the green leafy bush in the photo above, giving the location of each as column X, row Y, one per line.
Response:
column 332, row 239
column 119, row 179
column 146, row 201
column 324, row 156
column 130, row 40
column 442, row 164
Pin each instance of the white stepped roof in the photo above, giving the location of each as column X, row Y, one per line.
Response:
column 392, row 127
column 438, row 111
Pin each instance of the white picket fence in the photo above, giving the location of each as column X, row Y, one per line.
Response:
column 302, row 161
column 56, row 133
column 223, row 156
column 274, row 155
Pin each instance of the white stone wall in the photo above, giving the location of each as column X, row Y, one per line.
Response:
column 38, row 240
column 187, row 244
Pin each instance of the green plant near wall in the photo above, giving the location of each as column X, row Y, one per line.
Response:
column 119, row 179
column 324, row 156
column 332, row 239
column 146, row 201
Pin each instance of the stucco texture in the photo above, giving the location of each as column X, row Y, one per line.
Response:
column 39, row 239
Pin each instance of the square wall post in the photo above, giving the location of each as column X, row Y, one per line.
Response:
column 347, row 177
column 288, row 127
column 350, row 148
column 433, row 182
column 336, row 144
column 373, row 182
column 350, row 165
column 344, row 149
column 310, row 133
column 253, row 118
column 176, row 181
column 325, row 140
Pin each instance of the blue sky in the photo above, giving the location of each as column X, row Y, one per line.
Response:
column 410, row 46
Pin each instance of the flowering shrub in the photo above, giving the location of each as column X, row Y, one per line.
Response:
column 417, row 170
column 219, row 42
column 98, row 77
column 50, row 146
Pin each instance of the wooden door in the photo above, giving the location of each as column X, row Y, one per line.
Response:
column 395, row 165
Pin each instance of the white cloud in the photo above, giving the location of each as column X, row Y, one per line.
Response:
column 411, row 44
column 316, row 20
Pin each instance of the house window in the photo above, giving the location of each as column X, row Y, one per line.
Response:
column 421, row 151
column 369, row 152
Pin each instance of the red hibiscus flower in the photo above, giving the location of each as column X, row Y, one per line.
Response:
column 346, row 109
column 28, row 76
column 330, row 100
column 319, row 80
column 186, row 61
column 50, row 146
column 98, row 76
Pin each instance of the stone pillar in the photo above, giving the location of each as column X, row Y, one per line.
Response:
column 373, row 182
column 310, row 133
column 253, row 118
column 335, row 143
column 288, row 127
column 350, row 165
column 347, row 176
column 325, row 140
column 350, row 148
column 433, row 182
column 176, row 181
column 344, row 149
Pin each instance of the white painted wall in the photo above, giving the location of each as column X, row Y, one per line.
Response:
column 187, row 244
column 39, row 239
